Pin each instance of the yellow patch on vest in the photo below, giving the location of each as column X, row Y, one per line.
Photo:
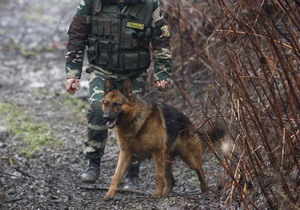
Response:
column 135, row 25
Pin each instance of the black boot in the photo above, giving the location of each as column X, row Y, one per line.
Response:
column 91, row 174
column 132, row 178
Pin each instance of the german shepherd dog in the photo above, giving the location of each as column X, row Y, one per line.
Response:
column 150, row 129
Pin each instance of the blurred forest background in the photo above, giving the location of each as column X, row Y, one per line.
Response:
column 235, row 61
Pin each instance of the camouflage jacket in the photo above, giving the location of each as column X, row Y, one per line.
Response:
column 79, row 33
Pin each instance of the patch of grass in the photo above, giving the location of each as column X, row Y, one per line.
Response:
column 79, row 106
column 31, row 136
column 77, row 103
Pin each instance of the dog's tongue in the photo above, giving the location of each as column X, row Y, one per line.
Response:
column 111, row 123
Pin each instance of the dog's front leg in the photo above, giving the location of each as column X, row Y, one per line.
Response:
column 159, row 163
column 123, row 162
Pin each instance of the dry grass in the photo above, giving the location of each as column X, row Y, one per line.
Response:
column 241, row 61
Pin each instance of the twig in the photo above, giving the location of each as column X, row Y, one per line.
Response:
column 119, row 190
column 258, row 35
column 24, row 173
column 14, row 200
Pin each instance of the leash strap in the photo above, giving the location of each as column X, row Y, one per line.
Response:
column 152, row 91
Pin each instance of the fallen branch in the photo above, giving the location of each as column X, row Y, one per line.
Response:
column 14, row 200
column 119, row 190
column 24, row 173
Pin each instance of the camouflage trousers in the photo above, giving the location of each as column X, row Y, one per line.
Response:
column 97, row 130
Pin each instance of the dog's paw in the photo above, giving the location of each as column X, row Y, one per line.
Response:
column 166, row 193
column 156, row 195
column 109, row 196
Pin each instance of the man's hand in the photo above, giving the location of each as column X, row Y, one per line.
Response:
column 163, row 84
column 72, row 85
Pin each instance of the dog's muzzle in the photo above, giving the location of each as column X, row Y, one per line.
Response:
column 110, row 121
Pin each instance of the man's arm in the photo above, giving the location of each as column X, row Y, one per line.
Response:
column 77, row 40
column 162, row 53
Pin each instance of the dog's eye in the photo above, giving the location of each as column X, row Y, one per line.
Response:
column 117, row 104
column 105, row 103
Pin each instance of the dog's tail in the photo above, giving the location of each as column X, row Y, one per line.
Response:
column 213, row 135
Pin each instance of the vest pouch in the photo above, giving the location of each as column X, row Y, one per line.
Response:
column 105, row 51
column 144, row 60
column 92, row 50
column 139, row 60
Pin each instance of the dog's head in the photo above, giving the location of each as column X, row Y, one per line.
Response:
column 115, row 102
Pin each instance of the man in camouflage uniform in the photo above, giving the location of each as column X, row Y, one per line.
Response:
column 118, row 34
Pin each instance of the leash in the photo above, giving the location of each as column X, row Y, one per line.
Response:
column 157, row 88
column 152, row 91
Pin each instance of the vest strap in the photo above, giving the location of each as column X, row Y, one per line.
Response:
column 135, row 10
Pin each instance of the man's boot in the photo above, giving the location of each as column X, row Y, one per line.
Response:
column 132, row 178
column 91, row 174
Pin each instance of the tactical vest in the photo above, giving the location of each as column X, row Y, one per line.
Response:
column 120, row 36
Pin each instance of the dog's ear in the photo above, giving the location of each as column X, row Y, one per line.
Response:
column 126, row 88
column 108, row 86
